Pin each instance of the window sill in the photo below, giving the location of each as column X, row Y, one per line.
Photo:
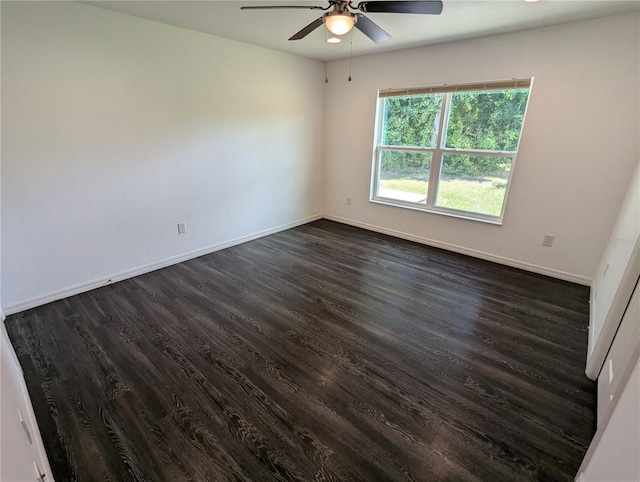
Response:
column 442, row 212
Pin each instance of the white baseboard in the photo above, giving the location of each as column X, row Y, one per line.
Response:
column 554, row 273
column 105, row 280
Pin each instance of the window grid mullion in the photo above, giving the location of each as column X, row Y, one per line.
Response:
column 436, row 159
column 478, row 152
column 407, row 148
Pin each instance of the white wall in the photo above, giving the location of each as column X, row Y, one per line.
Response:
column 616, row 455
column 577, row 152
column 614, row 339
column 114, row 129
column 616, row 276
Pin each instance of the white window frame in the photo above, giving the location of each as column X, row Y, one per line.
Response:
column 440, row 148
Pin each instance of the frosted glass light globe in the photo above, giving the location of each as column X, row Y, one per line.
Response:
column 339, row 23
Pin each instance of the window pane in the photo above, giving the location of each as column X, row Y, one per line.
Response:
column 473, row 183
column 486, row 120
column 411, row 121
column 404, row 175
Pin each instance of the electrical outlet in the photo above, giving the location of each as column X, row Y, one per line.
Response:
column 182, row 228
column 548, row 240
column 348, row 201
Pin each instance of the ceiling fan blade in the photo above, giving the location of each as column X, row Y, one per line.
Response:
column 371, row 29
column 270, row 7
column 427, row 7
column 307, row 30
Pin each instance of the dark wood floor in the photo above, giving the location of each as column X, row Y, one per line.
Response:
column 324, row 352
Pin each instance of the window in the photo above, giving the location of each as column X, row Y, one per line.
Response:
column 449, row 149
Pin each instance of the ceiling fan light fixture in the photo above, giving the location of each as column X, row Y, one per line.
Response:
column 339, row 23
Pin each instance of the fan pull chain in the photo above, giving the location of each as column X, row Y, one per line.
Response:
column 350, row 52
column 326, row 57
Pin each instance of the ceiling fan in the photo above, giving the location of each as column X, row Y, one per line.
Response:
column 344, row 15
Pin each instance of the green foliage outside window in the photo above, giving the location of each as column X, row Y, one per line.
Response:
column 489, row 120
column 412, row 121
column 486, row 120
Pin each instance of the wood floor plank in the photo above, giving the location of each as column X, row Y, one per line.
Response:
column 324, row 352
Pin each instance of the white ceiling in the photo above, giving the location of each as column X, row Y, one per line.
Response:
column 460, row 19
